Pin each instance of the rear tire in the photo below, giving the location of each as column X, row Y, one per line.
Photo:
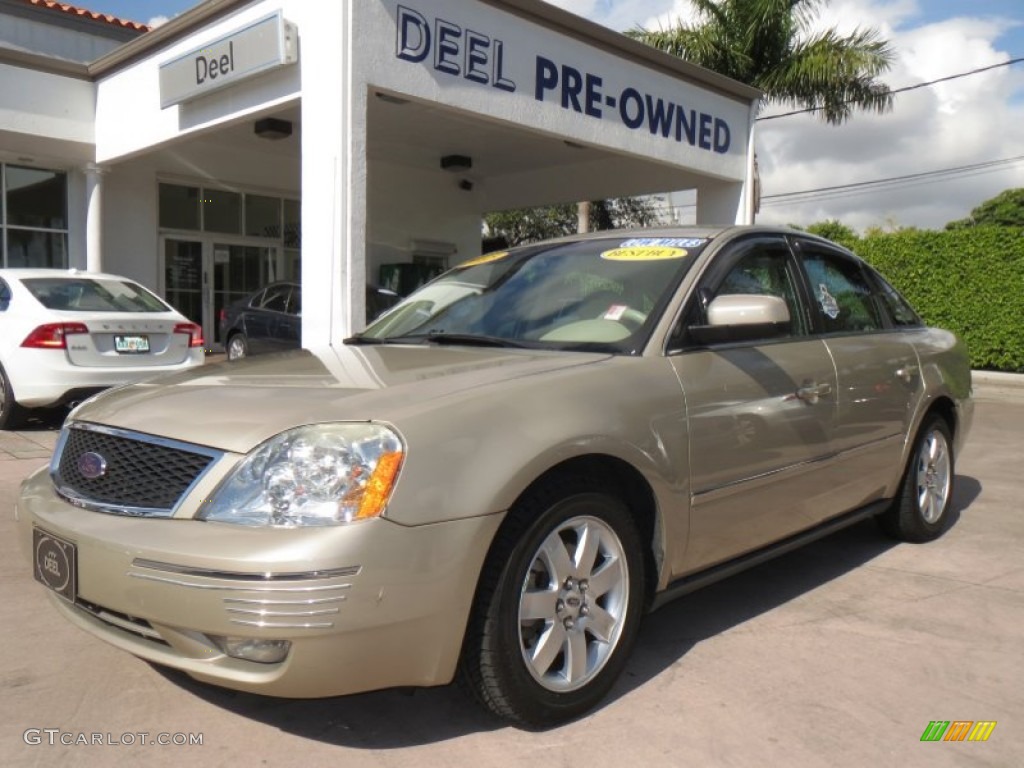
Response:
column 921, row 510
column 238, row 347
column 12, row 415
column 558, row 605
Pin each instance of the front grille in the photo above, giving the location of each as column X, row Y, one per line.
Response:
column 141, row 474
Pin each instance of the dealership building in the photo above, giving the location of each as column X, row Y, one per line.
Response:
column 327, row 142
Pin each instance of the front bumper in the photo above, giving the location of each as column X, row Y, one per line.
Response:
column 365, row 606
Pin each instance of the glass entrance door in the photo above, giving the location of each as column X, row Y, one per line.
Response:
column 201, row 277
column 183, row 278
column 238, row 270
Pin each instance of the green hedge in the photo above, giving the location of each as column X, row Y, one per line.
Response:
column 970, row 281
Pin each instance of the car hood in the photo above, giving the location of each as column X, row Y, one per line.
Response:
column 235, row 406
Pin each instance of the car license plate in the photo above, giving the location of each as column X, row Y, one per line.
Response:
column 56, row 563
column 131, row 345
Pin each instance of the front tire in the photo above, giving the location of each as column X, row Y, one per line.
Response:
column 558, row 606
column 238, row 347
column 12, row 415
column 921, row 511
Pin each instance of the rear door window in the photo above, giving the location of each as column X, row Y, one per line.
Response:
column 901, row 314
column 841, row 293
column 295, row 301
column 276, row 298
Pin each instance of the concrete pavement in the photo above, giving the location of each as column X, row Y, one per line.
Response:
column 839, row 654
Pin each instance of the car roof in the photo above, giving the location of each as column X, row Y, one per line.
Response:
column 697, row 232
column 25, row 273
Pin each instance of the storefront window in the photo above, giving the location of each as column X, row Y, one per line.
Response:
column 263, row 216
column 32, row 248
column 292, row 224
column 34, row 228
column 292, row 265
column 36, row 198
column 179, row 207
column 222, row 211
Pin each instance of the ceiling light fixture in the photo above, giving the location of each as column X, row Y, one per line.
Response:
column 456, row 163
column 389, row 99
column 273, row 128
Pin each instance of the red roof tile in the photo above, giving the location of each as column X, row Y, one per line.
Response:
column 104, row 18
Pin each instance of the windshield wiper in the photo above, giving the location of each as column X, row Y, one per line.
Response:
column 471, row 339
column 438, row 337
column 360, row 339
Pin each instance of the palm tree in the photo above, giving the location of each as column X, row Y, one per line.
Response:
column 769, row 44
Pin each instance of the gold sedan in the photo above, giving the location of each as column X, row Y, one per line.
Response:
column 502, row 474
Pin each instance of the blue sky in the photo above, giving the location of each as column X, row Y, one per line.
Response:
column 137, row 10
column 965, row 122
column 622, row 14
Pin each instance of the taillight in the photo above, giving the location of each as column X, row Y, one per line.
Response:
column 222, row 316
column 195, row 333
column 52, row 335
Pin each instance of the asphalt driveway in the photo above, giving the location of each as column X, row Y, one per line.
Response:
column 836, row 655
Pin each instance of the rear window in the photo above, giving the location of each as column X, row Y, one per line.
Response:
column 90, row 294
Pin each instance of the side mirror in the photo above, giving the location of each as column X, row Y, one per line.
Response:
column 743, row 317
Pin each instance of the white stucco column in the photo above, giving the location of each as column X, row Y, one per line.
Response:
column 751, row 187
column 94, row 216
column 333, row 247
column 721, row 203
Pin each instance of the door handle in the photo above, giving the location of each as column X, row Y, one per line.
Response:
column 811, row 393
column 907, row 373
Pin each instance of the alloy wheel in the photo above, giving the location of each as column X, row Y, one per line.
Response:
column 933, row 476
column 573, row 604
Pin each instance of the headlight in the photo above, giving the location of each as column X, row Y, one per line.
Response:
column 325, row 474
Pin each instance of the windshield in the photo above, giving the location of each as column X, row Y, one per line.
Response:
column 592, row 294
column 90, row 294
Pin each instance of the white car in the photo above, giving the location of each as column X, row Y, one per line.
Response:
column 67, row 334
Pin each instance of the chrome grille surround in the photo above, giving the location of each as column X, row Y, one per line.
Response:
column 145, row 475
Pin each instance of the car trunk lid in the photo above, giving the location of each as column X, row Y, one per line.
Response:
column 117, row 341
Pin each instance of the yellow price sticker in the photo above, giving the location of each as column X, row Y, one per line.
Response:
column 487, row 258
column 644, row 253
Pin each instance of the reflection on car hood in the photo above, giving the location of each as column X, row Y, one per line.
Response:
column 235, row 406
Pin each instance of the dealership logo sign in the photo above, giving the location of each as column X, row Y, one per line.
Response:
column 456, row 50
column 958, row 730
column 263, row 45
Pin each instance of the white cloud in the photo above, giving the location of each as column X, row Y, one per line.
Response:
column 622, row 15
column 158, row 21
column 961, row 122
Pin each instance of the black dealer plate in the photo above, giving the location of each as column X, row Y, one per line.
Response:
column 56, row 563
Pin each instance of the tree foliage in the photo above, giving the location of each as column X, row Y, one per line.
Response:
column 834, row 230
column 1004, row 210
column 770, row 44
column 969, row 281
column 528, row 225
